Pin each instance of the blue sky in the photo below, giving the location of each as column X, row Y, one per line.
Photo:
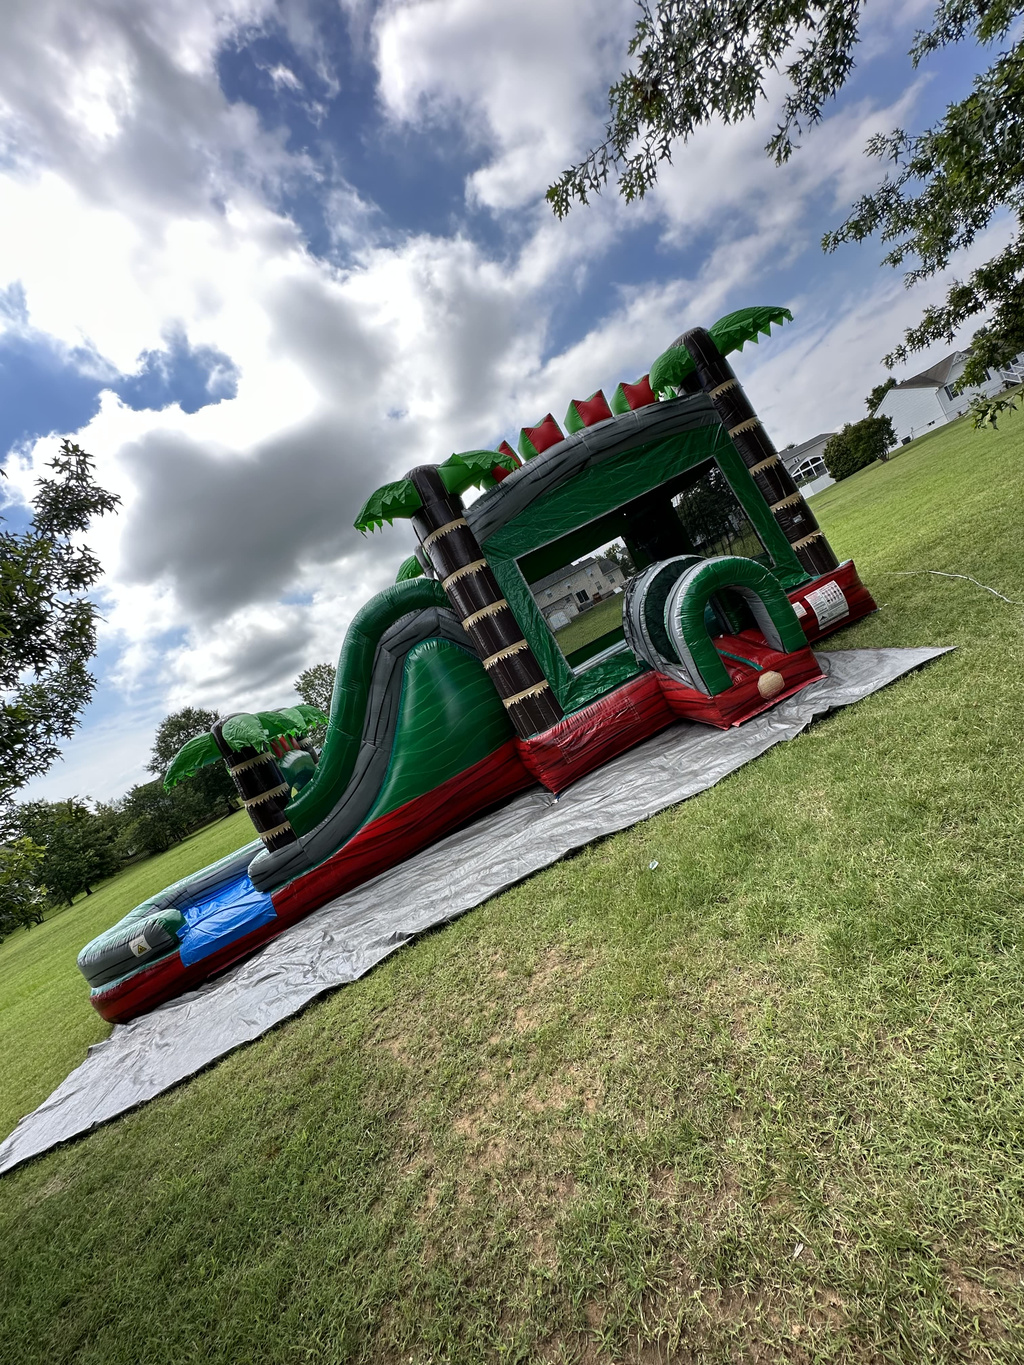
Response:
column 260, row 256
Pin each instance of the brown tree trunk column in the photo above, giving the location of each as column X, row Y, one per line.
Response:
column 261, row 785
column 774, row 481
column 486, row 617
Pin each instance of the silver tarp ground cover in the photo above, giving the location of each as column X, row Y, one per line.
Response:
column 342, row 941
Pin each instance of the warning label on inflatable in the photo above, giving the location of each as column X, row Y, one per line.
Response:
column 139, row 944
column 828, row 603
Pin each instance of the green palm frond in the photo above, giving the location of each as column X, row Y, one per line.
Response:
column 398, row 499
column 472, row 469
column 730, row 333
column 312, row 715
column 196, row 753
column 290, row 720
column 409, row 568
column 244, row 732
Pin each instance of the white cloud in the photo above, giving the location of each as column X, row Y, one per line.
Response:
column 521, row 79
column 143, row 200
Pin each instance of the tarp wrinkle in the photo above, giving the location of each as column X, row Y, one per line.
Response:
column 349, row 936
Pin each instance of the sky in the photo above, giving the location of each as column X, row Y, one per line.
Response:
column 260, row 256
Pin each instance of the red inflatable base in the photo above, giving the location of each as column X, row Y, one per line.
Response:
column 832, row 601
column 588, row 738
column 398, row 835
column 744, row 698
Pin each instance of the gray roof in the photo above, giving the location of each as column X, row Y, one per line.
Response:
column 795, row 452
column 550, row 579
column 935, row 377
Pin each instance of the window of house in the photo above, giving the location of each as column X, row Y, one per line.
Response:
column 583, row 596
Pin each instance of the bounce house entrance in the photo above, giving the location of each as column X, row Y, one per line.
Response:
column 577, row 580
column 720, row 632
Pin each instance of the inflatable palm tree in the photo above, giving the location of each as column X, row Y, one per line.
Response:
column 244, row 743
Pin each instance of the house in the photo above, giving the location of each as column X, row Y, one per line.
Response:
column 566, row 592
column 806, row 464
column 928, row 399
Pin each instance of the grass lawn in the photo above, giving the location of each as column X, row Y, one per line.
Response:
column 46, row 1021
column 590, row 624
column 765, row 1102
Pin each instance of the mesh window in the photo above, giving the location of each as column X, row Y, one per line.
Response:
column 715, row 522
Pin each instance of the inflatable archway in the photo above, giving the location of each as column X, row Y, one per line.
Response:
column 686, row 627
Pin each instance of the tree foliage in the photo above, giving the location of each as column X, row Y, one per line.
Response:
column 858, row 445
column 21, row 899
column 877, row 394
column 698, row 60
column 211, row 786
column 315, row 685
column 79, row 845
column 47, row 621
column 153, row 820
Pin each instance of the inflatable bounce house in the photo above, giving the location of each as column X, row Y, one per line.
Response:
column 652, row 561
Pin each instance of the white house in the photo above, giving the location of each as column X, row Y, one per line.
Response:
column 566, row 592
column 806, row 464
column 927, row 400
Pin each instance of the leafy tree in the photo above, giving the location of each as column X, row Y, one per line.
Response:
column 212, row 786
column 47, row 623
column 698, row 60
column 877, row 394
column 620, row 556
column 155, row 819
column 708, row 511
column 315, row 685
column 21, row 899
column 79, row 847
column 858, row 445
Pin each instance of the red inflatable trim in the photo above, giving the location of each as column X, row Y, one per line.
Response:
column 170, row 977
column 593, row 409
column 547, row 433
column 639, row 395
column 499, row 472
column 743, row 699
column 601, row 731
column 398, row 835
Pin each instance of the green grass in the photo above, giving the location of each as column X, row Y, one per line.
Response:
column 595, row 1119
column 590, row 624
column 46, row 1021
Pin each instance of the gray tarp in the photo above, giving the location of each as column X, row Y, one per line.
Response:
column 342, row 941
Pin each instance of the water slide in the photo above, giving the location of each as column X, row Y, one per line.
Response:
column 417, row 743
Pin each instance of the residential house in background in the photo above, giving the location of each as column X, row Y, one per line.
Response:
column 563, row 594
column 806, row 464
column 927, row 400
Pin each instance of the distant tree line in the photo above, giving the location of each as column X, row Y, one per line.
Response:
column 54, row 851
